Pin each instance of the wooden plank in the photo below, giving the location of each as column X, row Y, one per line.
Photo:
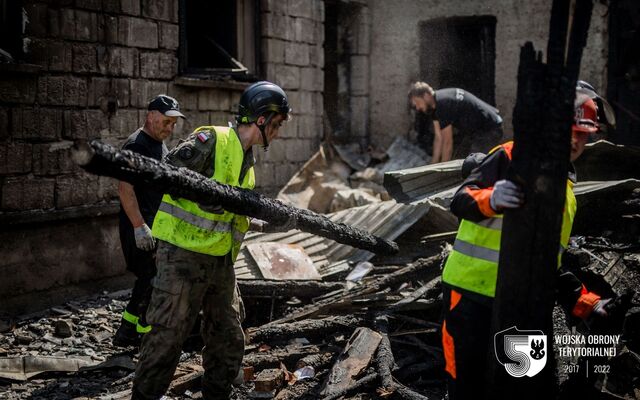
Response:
column 186, row 382
column 353, row 361
column 288, row 355
column 310, row 329
column 287, row 288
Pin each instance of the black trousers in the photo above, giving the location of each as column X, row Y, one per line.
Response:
column 143, row 265
column 466, row 341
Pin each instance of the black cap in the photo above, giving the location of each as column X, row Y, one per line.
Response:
column 167, row 105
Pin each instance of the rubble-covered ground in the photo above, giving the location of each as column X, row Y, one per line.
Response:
column 395, row 308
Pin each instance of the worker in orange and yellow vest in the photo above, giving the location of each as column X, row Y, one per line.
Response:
column 470, row 273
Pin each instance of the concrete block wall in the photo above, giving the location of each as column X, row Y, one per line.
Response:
column 93, row 67
column 395, row 47
column 358, row 33
column 293, row 57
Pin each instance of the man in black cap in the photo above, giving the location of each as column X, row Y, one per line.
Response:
column 138, row 208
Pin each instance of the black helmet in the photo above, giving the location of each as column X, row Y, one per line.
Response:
column 261, row 98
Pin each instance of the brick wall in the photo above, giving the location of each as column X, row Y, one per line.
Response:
column 293, row 54
column 93, row 67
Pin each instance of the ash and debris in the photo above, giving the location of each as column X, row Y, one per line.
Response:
column 83, row 329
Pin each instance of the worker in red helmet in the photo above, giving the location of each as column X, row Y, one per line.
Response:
column 470, row 272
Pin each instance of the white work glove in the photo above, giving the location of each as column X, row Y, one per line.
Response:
column 599, row 309
column 144, row 240
column 506, row 194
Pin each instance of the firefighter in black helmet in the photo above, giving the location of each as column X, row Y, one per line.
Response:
column 197, row 245
column 262, row 99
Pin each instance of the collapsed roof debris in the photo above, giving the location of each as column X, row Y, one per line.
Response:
column 315, row 186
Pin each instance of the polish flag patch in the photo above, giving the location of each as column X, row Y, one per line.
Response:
column 203, row 137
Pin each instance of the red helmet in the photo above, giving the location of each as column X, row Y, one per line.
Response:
column 586, row 114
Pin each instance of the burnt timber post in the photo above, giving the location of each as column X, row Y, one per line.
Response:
column 103, row 159
column 542, row 117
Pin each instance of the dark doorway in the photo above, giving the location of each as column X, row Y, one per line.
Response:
column 340, row 34
column 460, row 52
column 457, row 52
column 624, row 70
column 332, row 58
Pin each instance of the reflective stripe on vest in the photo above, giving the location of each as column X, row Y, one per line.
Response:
column 473, row 262
column 184, row 224
column 200, row 222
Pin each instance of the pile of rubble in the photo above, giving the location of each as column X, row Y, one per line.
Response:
column 326, row 321
column 380, row 337
column 341, row 343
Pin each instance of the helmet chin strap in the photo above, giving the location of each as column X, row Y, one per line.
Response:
column 263, row 128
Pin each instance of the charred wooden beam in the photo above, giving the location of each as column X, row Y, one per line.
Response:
column 542, row 121
column 353, row 361
column 385, row 361
column 310, row 329
column 190, row 381
column 288, row 355
column 404, row 393
column 103, row 159
column 364, row 382
column 301, row 390
column 385, row 364
column 429, row 289
column 317, row 361
column 300, row 289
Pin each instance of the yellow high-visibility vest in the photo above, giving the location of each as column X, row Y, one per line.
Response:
column 182, row 223
column 473, row 262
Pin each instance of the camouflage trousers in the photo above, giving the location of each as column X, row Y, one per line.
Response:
column 187, row 282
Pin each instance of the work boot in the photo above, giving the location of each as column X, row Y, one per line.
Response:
column 126, row 335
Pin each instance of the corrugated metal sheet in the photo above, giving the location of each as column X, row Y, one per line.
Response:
column 415, row 184
column 594, row 188
column 387, row 219
column 585, row 190
column 439, row 182
column 605, row 161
